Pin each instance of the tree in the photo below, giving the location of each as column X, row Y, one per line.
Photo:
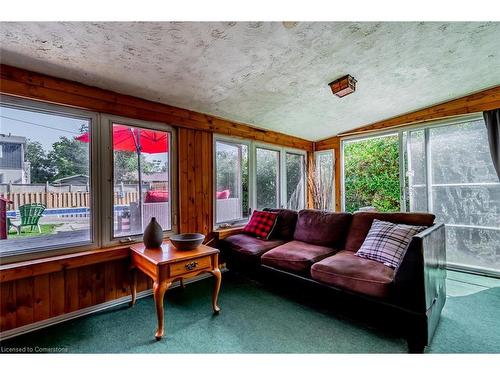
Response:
column 267, row 179
column 69, row 157
column 125, row 166
column 371, row 170
column 41, row 169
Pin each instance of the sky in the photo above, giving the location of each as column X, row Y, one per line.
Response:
column 47, row 128
column 37, row 126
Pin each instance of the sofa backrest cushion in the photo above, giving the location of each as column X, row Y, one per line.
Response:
column 285, row 224
column 322, row 228
column 362, row 222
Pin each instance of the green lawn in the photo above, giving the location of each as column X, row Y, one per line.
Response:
column 27, row 232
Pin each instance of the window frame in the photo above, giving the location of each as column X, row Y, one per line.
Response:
column 107, row 169
column 264, row 146
column 285, row 175
column 100, row 172
column 426, row 128
column 95, row 211
column 403, row 141
column 252, row 173
column 402, row 146
column 355, row 138
column 231, row 141
column 317, row 155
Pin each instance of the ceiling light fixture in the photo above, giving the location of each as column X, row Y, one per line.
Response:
column 343, row 86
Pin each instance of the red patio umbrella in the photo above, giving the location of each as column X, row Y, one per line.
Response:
column 126, row 138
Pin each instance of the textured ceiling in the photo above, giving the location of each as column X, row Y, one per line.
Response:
column 264, row 73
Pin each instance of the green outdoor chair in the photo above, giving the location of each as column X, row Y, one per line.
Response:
column 30, row 215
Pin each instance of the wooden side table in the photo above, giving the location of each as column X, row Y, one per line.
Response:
column 168, row 264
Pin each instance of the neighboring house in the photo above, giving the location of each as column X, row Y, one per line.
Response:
column 13, row 168
column 77, row 179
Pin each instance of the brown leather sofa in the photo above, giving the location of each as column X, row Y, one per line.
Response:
column 319, row 247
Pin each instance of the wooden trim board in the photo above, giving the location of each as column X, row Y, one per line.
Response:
column 20, row 270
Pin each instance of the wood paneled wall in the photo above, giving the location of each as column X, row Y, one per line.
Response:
column 196, row 195
column 41, row 290
column 35, row 291
column 32, row 299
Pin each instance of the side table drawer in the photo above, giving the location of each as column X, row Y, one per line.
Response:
column 188, row 266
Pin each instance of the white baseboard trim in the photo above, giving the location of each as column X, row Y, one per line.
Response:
column 88, row 310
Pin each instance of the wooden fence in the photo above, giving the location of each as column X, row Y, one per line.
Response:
column 62, row 200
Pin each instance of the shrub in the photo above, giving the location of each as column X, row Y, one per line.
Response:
column 371, row 170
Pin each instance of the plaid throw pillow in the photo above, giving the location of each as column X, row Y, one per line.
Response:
column 261, row 224
column 387, row 242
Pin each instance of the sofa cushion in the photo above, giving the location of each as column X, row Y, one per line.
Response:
column 362, row 222
column 261, row 224
column 348, row 271
column 322, row 228
column 387, row 242
column 285, row 224
column 246, row 244
column 296, row 256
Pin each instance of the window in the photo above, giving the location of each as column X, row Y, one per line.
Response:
column 267, row 178
column 46, row 174
column 451, row 174
column 323, row 185
column 444, row 168
column 295, row 181
column 56, row 172
column 232, row 180
column 141, row 179
column 416, row 171
column 372, row 173
column 251, row 175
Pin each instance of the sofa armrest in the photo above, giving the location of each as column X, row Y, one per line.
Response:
column 434, row 247
column 420, row 278
column 420, row 283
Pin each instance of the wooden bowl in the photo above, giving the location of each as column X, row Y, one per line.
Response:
column 187, row 241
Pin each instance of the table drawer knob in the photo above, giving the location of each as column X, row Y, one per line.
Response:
column 190, row 266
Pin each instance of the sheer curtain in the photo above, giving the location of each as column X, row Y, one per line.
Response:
column 492, row 121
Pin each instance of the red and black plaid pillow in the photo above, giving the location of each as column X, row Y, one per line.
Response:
column 261, row 224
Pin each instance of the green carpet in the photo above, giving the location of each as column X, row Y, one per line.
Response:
column 255, row 319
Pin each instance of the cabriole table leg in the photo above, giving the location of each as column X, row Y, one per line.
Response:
column 159, row 289
column 218, row 279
